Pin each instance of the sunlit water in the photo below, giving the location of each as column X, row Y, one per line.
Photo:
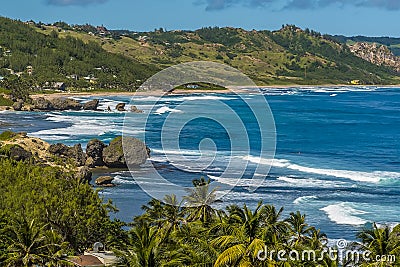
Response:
column 337, row 157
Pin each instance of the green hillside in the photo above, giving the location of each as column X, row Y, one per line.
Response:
column 287, row 56
column 85, row 56
column 53, row 59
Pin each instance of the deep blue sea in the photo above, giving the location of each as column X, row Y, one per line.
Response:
column 337, row 152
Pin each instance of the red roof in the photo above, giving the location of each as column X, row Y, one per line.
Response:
column 86, row 261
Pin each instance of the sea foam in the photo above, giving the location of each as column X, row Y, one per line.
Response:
column 344, row 213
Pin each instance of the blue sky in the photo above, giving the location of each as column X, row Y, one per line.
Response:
column 348, row 17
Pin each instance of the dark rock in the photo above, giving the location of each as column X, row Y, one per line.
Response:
column 84, row 175
column 136, row 153
column 134, row 109
column 94, row 150
column 78, row 155
column 65, row 104
column 42, row 104
column 120, row 107
column 105, row 181
column 17, row 106
column 91, row 105
column 18, row 153
column 75, row 153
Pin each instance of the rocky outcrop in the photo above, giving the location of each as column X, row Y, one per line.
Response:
column 17, row 106
column 376, row 54
column 120, row 107
column 84, row 174
column 74, row 153
column 91, row 105
column 134, row 109
column 136, row 153
column 42, row 104
column 65, row 104
column 105, row 181
column 94, row 152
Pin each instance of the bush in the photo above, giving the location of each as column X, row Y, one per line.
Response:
column 7, row 135
column 4, row 102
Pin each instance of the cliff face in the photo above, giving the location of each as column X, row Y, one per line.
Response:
column 376, row 54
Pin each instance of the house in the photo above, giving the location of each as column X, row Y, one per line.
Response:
column 59, row 86
column 96, row 257
column 107, row 258
column 86, row 261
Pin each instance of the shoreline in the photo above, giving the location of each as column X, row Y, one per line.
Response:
column 238, row 90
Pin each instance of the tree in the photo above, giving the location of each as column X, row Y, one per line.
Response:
column 29, row 245
column 381, row 241
column 299, row 229
column 241, row 247
column 199, row 201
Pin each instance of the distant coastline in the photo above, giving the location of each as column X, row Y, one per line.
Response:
column 238, row 90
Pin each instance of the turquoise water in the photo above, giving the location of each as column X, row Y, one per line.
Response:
column 337, row 155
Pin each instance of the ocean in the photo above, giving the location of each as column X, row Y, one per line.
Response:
column 337, row 153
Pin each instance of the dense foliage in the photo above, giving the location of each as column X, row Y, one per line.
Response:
column 46, row 214
column 53, row 59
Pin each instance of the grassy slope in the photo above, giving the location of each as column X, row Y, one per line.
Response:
column 288, row 56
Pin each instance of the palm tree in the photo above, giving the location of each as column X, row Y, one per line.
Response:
column 199, row 201
column 242, row 246
column 154, row 212
column 272, row 223
column 298, row 228
column 381, row 241
column 27, row 243
column 144, row 246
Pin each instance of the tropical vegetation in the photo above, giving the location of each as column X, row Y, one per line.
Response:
column 47, row 216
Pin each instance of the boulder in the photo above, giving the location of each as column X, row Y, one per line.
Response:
column 120, row 107
column 63, row 151
column 84, row 174
column 65, row 104
column 91, row 105
column 16, row 152
column 134, row 109
column 17, row 106
column 136, row 153
column 94, row 150
column 105, row 181
column 90, row 162
column 42, row 104
column 27, row 108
